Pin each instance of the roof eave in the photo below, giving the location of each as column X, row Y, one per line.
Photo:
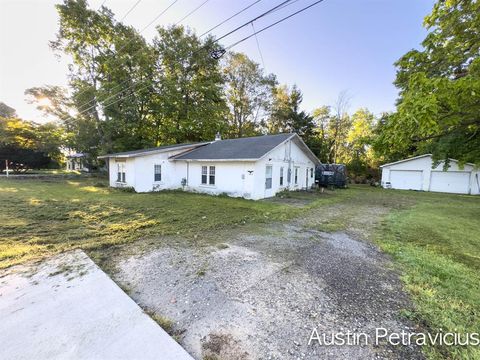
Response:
column 152, row 152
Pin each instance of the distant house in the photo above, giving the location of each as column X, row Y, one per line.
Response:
column 253, row 167
column 77, row 162
column 417, row 173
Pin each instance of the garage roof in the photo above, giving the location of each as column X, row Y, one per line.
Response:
column 417, row 157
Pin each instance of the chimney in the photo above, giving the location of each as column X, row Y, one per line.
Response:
column 218, row 136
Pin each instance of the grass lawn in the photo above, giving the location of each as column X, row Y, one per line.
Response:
column 436, row 242
column 434, row 239
column 43, row 217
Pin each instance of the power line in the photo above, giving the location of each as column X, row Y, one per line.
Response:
column 158, row 16
column 230, row 18
column 216, row 40
column 130, row 10
column 258, row 47
column 275, row 23
column 234, row 44
column 191, row 12
column 253, row 20
column 123, row 47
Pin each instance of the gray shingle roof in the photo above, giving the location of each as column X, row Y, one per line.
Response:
column 134, row 153
column 235, row 149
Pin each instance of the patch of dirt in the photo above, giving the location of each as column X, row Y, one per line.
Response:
column 261, row 294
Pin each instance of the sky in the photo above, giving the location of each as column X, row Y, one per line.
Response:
column 338, row 45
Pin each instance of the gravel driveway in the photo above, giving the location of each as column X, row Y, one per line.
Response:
column 261, row 293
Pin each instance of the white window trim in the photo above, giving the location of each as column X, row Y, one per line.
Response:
column 161, row 174
column 121, row 166
column 271, row 177
column 207, row 184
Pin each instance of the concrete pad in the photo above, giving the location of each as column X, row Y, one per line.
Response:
column 68, row 308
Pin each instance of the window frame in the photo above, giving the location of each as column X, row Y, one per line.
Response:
column 295, row 175
column 211, row 175
column 268, row 180
column 208, row 175
column 281, row 176
column 155, row 173
column 204, row 175
column 121, row 173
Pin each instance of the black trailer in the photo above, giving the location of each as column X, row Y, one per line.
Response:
column 331, row 175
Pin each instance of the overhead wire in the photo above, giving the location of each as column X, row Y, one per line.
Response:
column 239, row 41
column 215, row 41
column 130, row 10
column 191, row 12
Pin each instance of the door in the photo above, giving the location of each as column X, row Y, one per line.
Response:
column 306, row 178
column 456, row 182
column 268, row 181
column 406, row 179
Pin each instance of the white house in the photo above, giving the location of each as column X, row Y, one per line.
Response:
column 417, row 173
column 76, row 162
column 253, row 168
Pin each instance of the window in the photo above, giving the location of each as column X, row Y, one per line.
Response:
column 268, row 177
column 208, row 175
column 157, row 172
column 121, row 172
column 296, row 175
column 204, row 174
column 281, row 176
column 212, row 175
column 311, row 172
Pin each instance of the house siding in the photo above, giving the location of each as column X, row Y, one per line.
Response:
column 236, row 178
column 424, row 164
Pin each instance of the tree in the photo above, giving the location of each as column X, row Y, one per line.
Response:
column 248, row 94
column 189, row 84
column 26, row 144
column 6, row 111
column 286, row 115
column 360, row 156
column 319, row 143
column 438, row 107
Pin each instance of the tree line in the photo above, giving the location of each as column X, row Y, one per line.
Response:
column 126, row 93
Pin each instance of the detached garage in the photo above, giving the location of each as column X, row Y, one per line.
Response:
column 417, row 174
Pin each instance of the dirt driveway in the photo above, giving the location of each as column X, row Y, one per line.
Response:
column 260, row 293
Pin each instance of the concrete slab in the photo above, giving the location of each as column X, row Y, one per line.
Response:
column 68, row 308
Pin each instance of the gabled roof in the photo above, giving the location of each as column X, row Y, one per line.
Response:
column 405, row 160
column 241, row 149
column 419, row 157
column 248, row 148
column 155, row 150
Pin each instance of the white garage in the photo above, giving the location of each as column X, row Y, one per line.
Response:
column 417, row 174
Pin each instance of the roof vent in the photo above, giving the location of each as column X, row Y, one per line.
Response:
column 218, row 136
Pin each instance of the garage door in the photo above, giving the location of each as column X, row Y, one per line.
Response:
column 406, row 179
column 450, row 181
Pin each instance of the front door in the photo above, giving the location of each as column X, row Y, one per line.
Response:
column 268, row 181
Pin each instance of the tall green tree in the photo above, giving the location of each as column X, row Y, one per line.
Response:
column 286, row 115
column 438, row 107
column 248, row 94
column 26, row 144
column 188, row 83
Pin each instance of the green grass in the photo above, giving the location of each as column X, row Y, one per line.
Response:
column 434, row 239
column 437, row 245
column 40, row 217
